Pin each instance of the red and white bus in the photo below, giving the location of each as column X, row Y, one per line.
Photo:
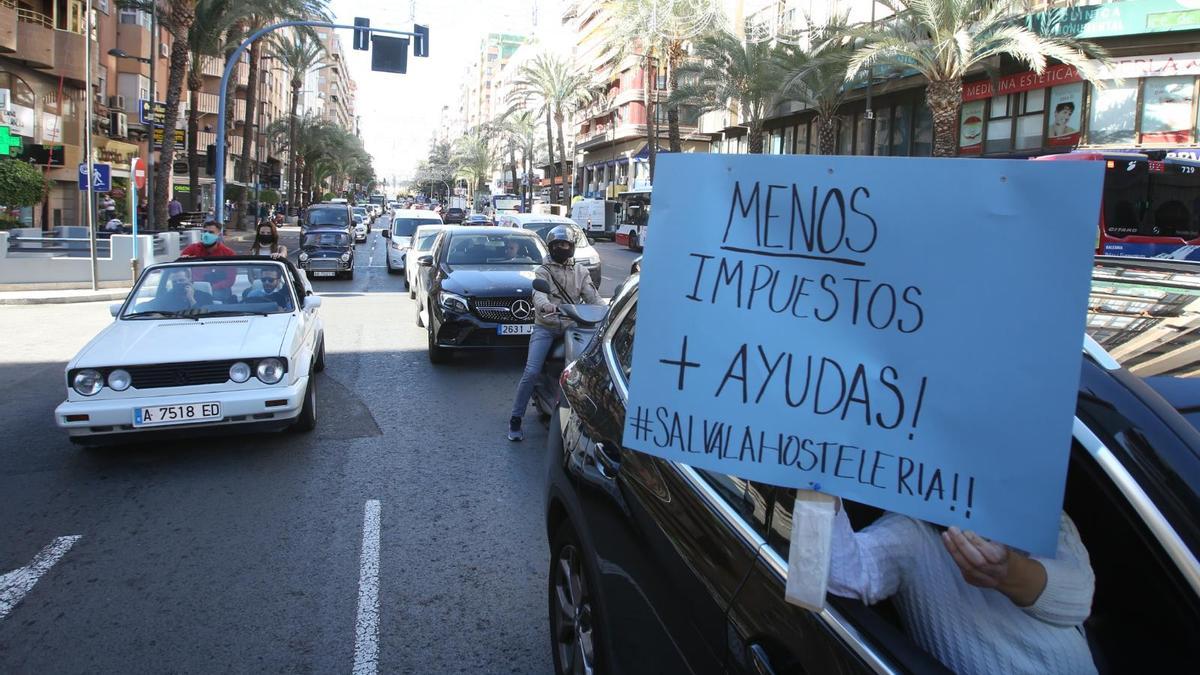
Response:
column 1150, row 209
column 633, row 216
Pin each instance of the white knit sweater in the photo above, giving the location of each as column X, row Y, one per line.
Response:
column 969, row 629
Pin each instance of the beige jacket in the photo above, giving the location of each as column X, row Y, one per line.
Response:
column 572, row 278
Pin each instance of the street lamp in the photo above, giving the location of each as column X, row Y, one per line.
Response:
column 122, row 54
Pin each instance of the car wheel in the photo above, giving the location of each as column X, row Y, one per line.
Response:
column 407, row 285
column 436, row 354
column 388, row 263
column 319, row 364
column 574, row 619
column 412, row 292
column 420, row 322
column 307, row 421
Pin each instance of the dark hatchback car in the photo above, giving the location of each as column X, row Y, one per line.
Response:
column 655, row 562
column 480, row 289
column 454, row 215
column 327, row 253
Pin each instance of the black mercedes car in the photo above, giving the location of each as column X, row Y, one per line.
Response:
column 479, row 290
column 327, row 253
column 656, row 562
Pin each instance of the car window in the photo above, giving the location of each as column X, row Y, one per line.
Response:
column 425, row 241
column 748, row 500
column 332, row 215
column 495, row 249
column 326, row 239
column 199, row 289
column 622, row 341
column 404, row 227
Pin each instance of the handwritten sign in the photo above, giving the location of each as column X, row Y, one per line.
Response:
column 898, row 331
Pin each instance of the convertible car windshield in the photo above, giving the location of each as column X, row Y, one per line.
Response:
column 326, row 238
column 496, row 249
column 196, row 290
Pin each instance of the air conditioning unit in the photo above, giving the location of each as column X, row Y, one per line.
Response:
column 118, row 125
column 164, row 50
column 116, row 102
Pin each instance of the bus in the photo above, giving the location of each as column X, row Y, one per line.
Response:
column 1150, row 207
column 505, row 204
column 633, row 215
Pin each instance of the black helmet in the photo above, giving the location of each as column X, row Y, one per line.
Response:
column 561, row 233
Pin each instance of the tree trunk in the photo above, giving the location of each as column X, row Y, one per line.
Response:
column 559, row 118
column 673, row 57
column 827, row 135
column 945, row 104
column 229, row 107
column 182, row 15
column 193, row 127
column 648, row 104
column 550, row 144
column 755, row 139
column 512, row 166
column 292, row 173
column 250, row 172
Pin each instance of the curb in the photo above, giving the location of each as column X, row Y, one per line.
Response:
column 111, row 296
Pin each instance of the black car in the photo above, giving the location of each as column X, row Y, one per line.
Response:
column 327, row 215
column 454, row 215
column 655, row 562
column 480, row 289
column 327, row 252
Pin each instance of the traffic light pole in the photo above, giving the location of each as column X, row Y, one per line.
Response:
column 219, row 150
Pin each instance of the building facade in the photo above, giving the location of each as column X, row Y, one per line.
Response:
column 329, row 92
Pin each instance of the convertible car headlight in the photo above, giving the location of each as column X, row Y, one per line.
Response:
column 269, row 371
column 88, row 382
column 239, row 372
column 119, row 380
column 452, row 302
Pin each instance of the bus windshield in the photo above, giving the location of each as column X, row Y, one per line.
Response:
column 1160, row 203
column 635, row 208
column 506, row 203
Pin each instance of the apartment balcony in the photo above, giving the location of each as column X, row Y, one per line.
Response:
column 239, row 111
column 69, row 59
column 211, row 67
column 133, row 40
column 35, row 35
column 8, row 26
column 207, row 138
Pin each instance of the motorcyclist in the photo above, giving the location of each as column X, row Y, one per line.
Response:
column 570, row 284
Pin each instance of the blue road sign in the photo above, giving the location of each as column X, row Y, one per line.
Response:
column 101, row 180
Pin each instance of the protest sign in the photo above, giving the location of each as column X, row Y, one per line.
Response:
column 904, row 332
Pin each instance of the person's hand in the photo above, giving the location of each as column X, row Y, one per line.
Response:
column 189, row 292
column 983, row 563
column 551, row 309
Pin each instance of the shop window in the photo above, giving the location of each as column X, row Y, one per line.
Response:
column 999, row 126
column 862, row 136
column 883, row 131
column 1113, row 111
column 16, row 105
column 1167, row 109
column 900, row 129
column 845, row 142
column 1032, row 120
column 801, row 145
column 789, row 141
column 1065, row 109
column 923, row 131
column 775, row 146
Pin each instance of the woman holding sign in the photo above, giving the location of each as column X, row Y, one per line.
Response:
column 976, row 605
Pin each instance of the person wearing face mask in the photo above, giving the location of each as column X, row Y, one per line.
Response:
column 570, row 284
column 221, row 277
column 178, row 294
column 266, row 241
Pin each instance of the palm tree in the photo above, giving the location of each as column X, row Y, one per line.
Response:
column 519, row 128
column 560, row 86
column 816, row 74
column 297, row 56
column 472, row 156
column 207, row 39
column 725, row 69
column 944, row 40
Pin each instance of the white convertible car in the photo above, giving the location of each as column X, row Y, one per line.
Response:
column 200, row 345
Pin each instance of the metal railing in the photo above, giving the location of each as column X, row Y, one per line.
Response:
column 30, row 16
column 72, row 247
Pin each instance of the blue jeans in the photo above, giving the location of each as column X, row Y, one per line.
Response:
column 539, row 346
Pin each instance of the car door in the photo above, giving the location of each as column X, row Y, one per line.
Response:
column 670, row 559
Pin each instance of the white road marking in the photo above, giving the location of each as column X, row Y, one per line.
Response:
column 15, row 584
column 366, row 625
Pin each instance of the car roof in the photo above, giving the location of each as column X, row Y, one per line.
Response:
column 414, row 213
column 433, row 227
column 539, row 218
column 489, row 230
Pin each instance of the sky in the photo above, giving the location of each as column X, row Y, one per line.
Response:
column 400, row 113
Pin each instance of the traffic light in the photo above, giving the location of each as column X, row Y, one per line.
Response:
column 362, row 33
column 420, row 40
column 210, row 160
column 389, row 55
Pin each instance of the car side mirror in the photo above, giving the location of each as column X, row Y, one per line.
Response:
column 386, row 234
column 591, row 241
column 425, row 261
column 312, row 302
column 541, row 285
column 636, row 267
column 115, row 308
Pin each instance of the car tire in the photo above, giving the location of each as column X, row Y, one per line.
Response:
column 420, row 322
column 412, row 292
column 570, row 587
column 437, row 354
column 307, row 420
column 319, row 364
column 407, row 285
column 388, row 262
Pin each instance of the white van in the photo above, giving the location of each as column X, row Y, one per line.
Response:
column 597, row 217
column 399, row 233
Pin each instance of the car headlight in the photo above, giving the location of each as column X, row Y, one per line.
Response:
column 269, row 371
column 239, row 372
column 399, row 246
column 88, row 382
column 345, row 257
column 303, row 256
column 452, row 302
column 119, row 380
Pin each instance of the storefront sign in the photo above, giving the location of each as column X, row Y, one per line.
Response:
column 147, row 115
column 970, row 134
column 180, row 139
column 1160, row 65
column 785, row 335
column 52, row 131
column 1066, row 107
column 1012, row 84
column 1132, row 17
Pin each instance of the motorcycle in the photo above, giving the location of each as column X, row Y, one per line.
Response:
column 547, row 392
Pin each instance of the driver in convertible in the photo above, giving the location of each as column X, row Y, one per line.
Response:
column 273, row 290
column 178, row 294
column 570, row 284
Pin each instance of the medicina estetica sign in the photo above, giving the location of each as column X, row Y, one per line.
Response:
column 875, row 328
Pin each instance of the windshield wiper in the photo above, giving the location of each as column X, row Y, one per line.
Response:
column 158, row 312
column 233, row 312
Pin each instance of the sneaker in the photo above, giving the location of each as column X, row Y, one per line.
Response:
column 514, row 429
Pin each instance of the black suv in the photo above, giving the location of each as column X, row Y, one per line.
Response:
column 327, row 252
column 480, row 289
column 655, row 562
